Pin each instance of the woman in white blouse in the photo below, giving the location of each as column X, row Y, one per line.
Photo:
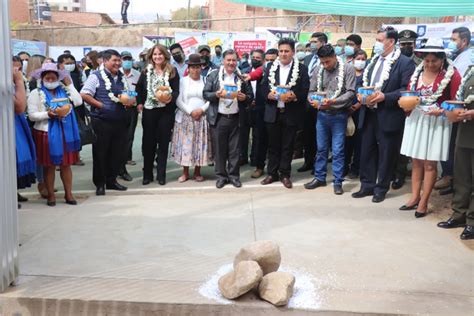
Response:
column 55, row 131
column 191, row 145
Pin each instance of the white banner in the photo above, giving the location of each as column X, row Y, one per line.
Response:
column 440, row 30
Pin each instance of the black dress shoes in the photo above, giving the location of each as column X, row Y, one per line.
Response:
column 221, row 183
column 161, row 181
column 146, row 181
column 361, row 193
column 286, row 182
column 453, row 222
column 338, row 189
column 377, row 198
column 304, row 168
column 21, row 198
column 100, row 190
column 267, row 180
column 236, row 183
column 408, row 207
column 420, row 214
column 315, row 183
column 468, row 233
column 398, row 183
column 126, row 176
column 116, row 186
column 446, row 191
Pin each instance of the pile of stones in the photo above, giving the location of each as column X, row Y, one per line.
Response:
column 256, row 268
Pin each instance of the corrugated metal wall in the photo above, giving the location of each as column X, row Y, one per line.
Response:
column 8, row 203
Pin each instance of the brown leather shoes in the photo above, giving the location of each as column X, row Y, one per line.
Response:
column 257, row 173
column 267, row 180
column 287, row 183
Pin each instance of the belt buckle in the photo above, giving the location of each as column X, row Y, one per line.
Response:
column 282, row 110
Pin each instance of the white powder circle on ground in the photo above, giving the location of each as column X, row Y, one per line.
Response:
column 305, row 295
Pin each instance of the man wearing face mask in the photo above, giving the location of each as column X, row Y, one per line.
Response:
column 382, row 120
column 459, row 46
column 461, row 56
column 407, row 40
column 179, row 60
column 217, row 58
column 300, row 52
column 317, row 40
column 205, row 52
column 24, row 56
column 132, row 76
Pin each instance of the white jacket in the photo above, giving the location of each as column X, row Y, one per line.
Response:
column 38, row 113
column 190, row 97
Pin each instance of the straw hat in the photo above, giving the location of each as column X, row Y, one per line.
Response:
column 433, row 45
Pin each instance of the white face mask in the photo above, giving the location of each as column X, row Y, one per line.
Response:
column 51, row 85
column 24, row 65
column 359, row 64
column 70, row 67
column 378, row 48
column 300, row 55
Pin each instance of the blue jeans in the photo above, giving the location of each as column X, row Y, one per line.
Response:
column 330, row 128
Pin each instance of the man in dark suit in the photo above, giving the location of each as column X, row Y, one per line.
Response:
column 283, row 114
column 223, row 118
column 317, row 40
column 381, row 119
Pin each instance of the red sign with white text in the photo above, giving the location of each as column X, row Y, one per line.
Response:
column 188, row 42
column 246, row 46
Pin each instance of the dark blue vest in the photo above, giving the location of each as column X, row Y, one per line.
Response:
column 111, row 111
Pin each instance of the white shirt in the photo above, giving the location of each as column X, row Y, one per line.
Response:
column 227, row 106
column 463, row 61
column 377, row 66
column 190, row 97
column 132, row 78
column 284, row 73
column 38, row 113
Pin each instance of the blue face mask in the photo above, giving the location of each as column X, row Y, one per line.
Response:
column 453, row 46
column 127, row 64
column 378, row 48
column 338, row 50
column 348, row 50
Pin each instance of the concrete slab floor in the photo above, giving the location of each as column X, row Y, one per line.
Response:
column 150, row 252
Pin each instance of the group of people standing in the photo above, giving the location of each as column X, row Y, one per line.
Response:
column 203, row 109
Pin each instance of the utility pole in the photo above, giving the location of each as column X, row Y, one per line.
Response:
column 189, row 10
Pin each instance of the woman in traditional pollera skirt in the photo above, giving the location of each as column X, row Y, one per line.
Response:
column 55, row 132
column 191, row 145
column 25, row 147
column 427, row 131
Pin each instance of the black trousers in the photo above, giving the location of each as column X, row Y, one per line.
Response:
column 226, row 143
column 157, row 126
column 131, row 133
column 463, row 198
column 309, row 135
column 448, row 166
column 379, row 152
column 123, row 11
column 109, row 151
column 281, row 142
column 244, row 121
column 259, row 139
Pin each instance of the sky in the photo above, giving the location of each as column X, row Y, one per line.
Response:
column 140, row 8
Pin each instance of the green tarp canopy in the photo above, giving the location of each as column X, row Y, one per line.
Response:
column 382, row 8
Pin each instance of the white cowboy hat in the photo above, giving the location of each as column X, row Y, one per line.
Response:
column 433, row 45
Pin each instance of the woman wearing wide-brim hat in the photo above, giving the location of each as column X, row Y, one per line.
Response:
column 55, row 131
column 191, row 144
column 427, row 132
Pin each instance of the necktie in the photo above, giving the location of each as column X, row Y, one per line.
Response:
column 314, row 62
column 379, row 72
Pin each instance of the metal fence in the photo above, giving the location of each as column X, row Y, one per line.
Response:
column 8, row 203
column 66, row 33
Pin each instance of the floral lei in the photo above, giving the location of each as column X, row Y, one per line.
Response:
column 27, row 86
column 462, row 86
column 154, row 81
column 294, row 74
column 385, row 72
column 443, row 84
column 42, row 96
column 340, row 78
column 108, row 84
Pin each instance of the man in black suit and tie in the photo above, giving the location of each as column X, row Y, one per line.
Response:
column 381, row 119
column 317, row 40
column 283, row 113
